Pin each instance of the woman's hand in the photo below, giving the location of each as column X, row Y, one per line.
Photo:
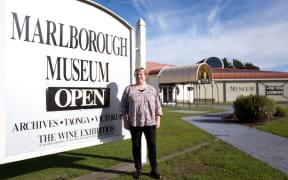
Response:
column 157, row 118
column 125, row 121
column 126, row 124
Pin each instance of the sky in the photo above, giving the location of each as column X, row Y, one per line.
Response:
column 183, row 32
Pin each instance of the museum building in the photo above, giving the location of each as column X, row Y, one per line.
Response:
column 208, row 81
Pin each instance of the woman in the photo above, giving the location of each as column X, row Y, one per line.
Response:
column 141, row 112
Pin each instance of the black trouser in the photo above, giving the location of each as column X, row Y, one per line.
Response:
column 150, row 135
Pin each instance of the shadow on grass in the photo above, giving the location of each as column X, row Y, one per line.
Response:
column 62, row 160
column 96, row 156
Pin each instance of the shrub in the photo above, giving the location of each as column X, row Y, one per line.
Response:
column 280, row 112
column 253, row 108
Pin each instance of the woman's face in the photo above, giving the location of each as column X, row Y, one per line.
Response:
column 140, row 77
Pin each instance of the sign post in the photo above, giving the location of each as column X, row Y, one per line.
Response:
column 141, row 62
column 61, row 76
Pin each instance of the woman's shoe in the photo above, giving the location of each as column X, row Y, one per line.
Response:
column 155, row 174
column 137, row 174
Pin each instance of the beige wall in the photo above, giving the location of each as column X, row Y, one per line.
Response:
column 153, row 80
column 228, row 90
column 276, row 87
column 235, row 89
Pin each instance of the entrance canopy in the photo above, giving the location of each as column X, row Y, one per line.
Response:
column 196, row 73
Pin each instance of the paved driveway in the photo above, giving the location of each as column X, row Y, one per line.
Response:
column 269, row 148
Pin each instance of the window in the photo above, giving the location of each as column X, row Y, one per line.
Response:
column 214, row 62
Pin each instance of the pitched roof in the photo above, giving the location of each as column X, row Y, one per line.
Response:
column 184, row 74
column 219, row 73
column 154, row 68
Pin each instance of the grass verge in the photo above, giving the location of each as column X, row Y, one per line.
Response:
column 217, row 160
column 278, row 127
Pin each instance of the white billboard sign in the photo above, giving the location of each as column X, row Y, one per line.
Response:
column 63, row 68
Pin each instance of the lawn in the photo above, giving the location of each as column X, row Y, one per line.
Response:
column 213, row 160
column 278, row 127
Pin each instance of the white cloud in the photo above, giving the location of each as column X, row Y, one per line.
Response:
column 212, row 15
column 183, row 33
column 258, row 37
column 262, row 46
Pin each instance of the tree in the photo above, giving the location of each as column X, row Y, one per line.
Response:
column 238, row 64
column 251, row 66
column 226, row 63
